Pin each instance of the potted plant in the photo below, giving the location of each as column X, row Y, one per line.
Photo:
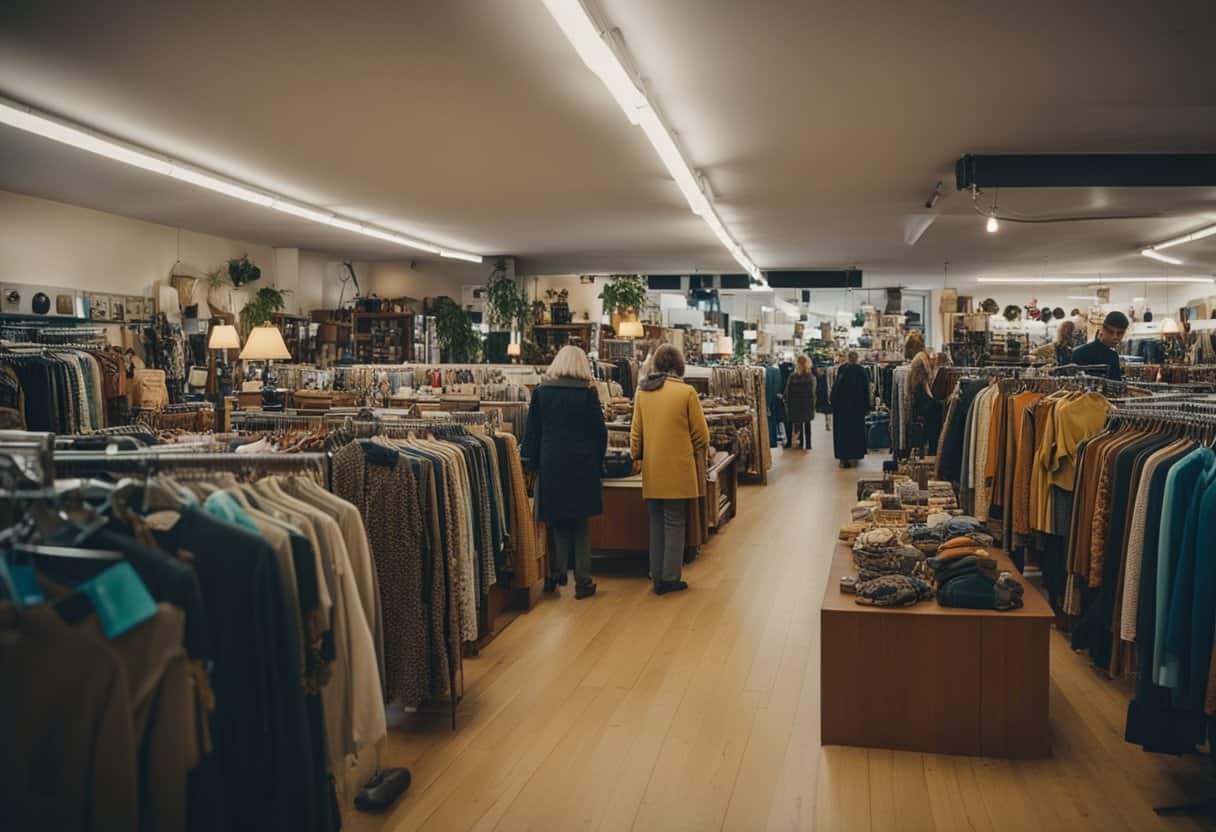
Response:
column 241, row 270
column 458, row 340
column 506, row 311
column 262, row 307
column 624, row 296
column 219, row 290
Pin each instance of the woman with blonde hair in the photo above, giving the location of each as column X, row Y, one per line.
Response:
column 668, row 435
column 564, row 442
column 800, row 403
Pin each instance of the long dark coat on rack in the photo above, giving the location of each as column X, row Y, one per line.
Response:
column 850, row 403
column 564, row 442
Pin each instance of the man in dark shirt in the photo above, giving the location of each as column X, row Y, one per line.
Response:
column 1101, row 350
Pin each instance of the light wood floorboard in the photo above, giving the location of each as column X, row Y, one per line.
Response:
column 700, row 711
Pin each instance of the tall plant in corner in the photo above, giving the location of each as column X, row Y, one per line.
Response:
column 506, row 302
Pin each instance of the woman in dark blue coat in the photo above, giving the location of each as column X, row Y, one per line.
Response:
column 564, row 442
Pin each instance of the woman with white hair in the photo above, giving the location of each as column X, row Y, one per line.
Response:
column 564, row 442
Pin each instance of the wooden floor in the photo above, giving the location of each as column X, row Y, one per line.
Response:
column 701, row 711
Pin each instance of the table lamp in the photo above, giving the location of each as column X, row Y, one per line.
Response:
column 265, row 343
column 224, row 337
column 630, row 329
column 513, row 351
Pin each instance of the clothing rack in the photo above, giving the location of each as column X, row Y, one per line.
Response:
column 254, row 420
column 148, row 463
column 53, row 335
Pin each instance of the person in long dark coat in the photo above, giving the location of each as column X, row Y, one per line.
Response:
column 850, row 399
column 800, row 403
column 564, row 442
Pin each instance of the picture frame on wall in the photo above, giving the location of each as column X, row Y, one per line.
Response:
column 136, row 310
column 99, row 307
column 118, row 308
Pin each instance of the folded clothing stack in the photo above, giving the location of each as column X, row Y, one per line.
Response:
column 893, row 591
column 850, row 532
column 882, row 551
column 931, row 538
column 971, row 582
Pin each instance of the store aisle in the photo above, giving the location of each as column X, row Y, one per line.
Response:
column 701, row 711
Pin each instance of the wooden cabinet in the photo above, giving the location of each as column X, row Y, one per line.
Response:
column 383, row 337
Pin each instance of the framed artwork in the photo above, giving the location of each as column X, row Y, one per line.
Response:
column 135, row 308
column 99, row 307
column 118, row 308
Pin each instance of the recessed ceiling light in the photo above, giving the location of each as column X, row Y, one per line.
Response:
column 23, row 118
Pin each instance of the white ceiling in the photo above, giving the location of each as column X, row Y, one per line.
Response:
column 822, row 127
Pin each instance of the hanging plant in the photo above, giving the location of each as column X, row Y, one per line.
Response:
column 241, row 270
column 624, row 293
column 454, row 328
column 1013, row 312
column 262, row 307
column 859, row 319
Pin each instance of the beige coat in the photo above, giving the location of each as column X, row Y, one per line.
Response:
column 669, row 434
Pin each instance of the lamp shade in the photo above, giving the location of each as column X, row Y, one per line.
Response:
column 1170, row 327
column 513, row 349
column 726, row 345
column 630, row 329
column 265, row 344
column 224, row 337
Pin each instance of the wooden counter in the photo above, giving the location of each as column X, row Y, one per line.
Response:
column 625, row 527
column 935, row 679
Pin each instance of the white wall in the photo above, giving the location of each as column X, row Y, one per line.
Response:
column 64, row 245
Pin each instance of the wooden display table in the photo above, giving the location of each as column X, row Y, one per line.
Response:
column 625, row 527
column 935, row 679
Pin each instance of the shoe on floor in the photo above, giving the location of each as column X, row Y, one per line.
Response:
column 581, row 592
column 664, row 587
column 550, row 584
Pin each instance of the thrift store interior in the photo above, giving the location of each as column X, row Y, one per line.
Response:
column 607, row 414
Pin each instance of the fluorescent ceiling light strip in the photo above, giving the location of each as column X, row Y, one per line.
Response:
column 1186, row 238
column 594, row 45
column 23, row 118
column 1164, row 258
column 1091, row 281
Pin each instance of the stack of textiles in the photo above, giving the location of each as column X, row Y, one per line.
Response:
column 240, row 672
column 879, row 552
column 893, row 591
column 1141, row 583
column 63, row 390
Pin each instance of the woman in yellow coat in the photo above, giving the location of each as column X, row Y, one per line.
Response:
column 668, row 434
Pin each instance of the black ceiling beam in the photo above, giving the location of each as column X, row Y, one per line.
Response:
column 1086, row 170
column 814, row 278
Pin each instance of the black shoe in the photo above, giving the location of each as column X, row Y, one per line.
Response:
column 581, row 592
column 563, row 578
column 550, row 584
column 664, row 587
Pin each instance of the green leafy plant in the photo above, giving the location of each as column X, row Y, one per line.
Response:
column 1013, row 312
column 217, row 279
column 859, row 319
column 454, row 327
column 506, row 302
column 624, row 293
column 241, row 270
column 262, row 307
